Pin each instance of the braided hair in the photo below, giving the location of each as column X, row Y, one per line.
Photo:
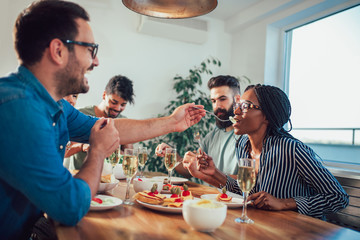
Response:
column 276, row 106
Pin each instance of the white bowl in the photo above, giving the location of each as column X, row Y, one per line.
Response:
column 146, row 184
column 119, row 172
column 204, row 219
column 103, row 187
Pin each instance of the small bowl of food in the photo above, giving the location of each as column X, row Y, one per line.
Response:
column 145, row 184
column 204, row 215
column 107, row 183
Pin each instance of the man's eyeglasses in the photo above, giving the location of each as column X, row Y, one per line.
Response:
column 245, row 106
column 94, row 46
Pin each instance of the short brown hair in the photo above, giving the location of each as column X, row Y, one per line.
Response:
column 42, row 22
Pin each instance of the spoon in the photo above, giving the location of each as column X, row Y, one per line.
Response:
column 221, row 120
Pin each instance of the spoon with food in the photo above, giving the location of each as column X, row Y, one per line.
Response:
column 213, row 114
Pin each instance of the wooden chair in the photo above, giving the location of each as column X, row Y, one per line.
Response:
column 350, row 216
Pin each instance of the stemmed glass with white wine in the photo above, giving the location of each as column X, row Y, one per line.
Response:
column 114, row 158
column 143, row 156
column 246, row 179
column 170, row 161
column 130, row 165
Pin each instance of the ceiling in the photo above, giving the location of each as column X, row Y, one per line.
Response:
column 229, row 8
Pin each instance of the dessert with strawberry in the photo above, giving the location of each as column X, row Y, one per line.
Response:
column 186, row 194
column 175, row 199
column 223, row 197
column 151, row 197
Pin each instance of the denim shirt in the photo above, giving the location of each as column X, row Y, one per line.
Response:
column 34, row 130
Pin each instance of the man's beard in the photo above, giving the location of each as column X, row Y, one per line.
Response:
column 71, row 79
column 224, row 116
column 111, row 116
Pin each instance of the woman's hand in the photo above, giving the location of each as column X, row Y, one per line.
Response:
column 205, row 163
column 264, row 200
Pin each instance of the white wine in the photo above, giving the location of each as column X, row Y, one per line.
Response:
column 246, row 178
column 130, row 165
column 114, row 157
column 170, row 161
column 142, row 159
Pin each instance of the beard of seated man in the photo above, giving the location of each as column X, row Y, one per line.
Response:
column 224, row 115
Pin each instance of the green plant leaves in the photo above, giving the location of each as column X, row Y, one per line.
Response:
column 187, row 89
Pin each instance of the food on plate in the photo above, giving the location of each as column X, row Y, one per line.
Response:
column 223, row 197
column 106, row 178
column 98, row 201
column 175, row 199
column 168, row 187
column 186, row 194
column 151, row 197
column 107, row 173
column 175, row 204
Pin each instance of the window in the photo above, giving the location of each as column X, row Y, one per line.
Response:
column 324, row 80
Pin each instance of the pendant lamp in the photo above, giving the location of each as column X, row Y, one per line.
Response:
column 171, row 8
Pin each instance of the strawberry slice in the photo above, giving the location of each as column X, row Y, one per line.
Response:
column 223, row 195
column 186, row 191
column 98, row 200
column 179, row 200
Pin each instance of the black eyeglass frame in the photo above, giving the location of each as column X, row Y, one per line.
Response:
column 94, row 46
column 245, row 106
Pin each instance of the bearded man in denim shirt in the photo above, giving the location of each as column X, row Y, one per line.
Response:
column 55, row 47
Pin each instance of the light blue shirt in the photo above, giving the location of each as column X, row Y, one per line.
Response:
column 34, row 130
column 220, row 145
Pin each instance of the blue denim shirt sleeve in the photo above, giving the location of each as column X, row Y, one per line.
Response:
column 34, row 131
column 77, row 123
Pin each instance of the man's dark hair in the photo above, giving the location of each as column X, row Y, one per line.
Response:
column 121, row 86
column 276, row 106
column 42, row 22
column 225, row 80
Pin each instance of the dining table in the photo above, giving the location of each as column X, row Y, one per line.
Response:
column 139, row 222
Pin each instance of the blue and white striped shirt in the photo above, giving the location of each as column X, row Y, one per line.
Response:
column 289, row 169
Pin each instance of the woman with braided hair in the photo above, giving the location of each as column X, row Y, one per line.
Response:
column 289, row 175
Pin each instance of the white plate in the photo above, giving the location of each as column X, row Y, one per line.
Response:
column 103, row 187
column 106, row 205
column 235, row 202
column 160, row 207
column 174, row 180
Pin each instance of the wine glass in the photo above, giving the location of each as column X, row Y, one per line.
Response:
column 197, row 136
column 143, row 156
column 246, row 179
column 114, row 158
column 130, row 165
column 170, row 161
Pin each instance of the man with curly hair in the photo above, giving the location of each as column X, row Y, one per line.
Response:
column 117, row 94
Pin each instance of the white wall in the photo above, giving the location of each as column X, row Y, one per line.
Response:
column 250, row 47
column 258, row 47
column 151, row 62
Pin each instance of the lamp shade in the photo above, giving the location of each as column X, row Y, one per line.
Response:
column 171, row 8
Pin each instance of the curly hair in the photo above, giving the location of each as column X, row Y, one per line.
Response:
column 121, row 86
